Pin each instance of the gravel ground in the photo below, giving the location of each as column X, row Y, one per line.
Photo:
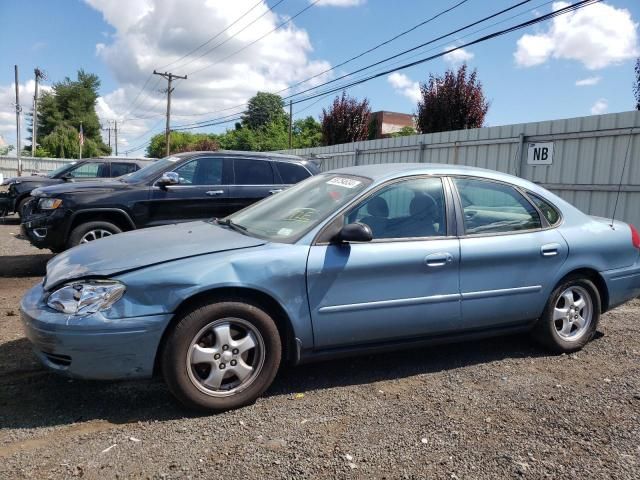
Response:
column 491, row 409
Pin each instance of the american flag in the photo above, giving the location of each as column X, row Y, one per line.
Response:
column 81, row 136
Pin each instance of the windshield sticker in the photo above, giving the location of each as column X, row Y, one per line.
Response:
column 285, row 232
column 344, row 182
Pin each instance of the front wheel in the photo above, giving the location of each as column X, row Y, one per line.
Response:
column 570, row 317
column 22, row 204
column 221, row 356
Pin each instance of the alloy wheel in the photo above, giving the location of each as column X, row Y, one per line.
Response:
column 573, row 313
column 225, row 357
column 92, row 235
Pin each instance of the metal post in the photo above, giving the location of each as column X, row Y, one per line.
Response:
column 109, row 134
column 290, row 124
column 115, row 131
column 18, row 111
column 167, row 130
column 34, row 133
column 519, row 157
column 80, row 142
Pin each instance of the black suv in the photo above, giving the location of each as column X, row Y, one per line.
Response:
column 18, row 189
column 182, row 187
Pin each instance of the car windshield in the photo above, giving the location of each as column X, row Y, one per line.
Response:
column 62, row 169
column 288, row 215
column 150, row 171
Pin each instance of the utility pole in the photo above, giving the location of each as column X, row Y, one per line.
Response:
column 34, row 133
column 290, row 123
column 18, row 111
column 115, row 130
column 169, row 77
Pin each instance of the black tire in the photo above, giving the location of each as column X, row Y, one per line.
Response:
column 177, row 370
column 545, row 330
column 21, row 204
column 81, row 230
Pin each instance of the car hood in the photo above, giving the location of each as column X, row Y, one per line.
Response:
column 79, row 187
column 33, row 178
column 141, row 248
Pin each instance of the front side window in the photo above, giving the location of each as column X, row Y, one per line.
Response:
column 549, row 212
column 202, row 171
column 408, row 209
column 253, row 172
column 287, row 216
column 86, row 170
column 491, row 207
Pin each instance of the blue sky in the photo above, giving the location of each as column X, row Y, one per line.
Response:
column 526, row 79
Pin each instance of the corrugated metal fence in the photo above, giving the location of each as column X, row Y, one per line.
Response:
column 587, row 157
column 30, row 165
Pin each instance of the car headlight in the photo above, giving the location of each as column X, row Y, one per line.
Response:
column 87, row 297
column 49, row 203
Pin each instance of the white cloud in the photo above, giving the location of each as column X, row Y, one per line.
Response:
column 597, row 36
column 588, row 82
column 340, row 3
column 457, row 56
column 405, row 86
column 601, row 106
column 150, row 34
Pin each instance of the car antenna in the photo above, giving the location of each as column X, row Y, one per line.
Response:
column 624, row 165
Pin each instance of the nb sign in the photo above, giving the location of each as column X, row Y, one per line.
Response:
column 540, row 153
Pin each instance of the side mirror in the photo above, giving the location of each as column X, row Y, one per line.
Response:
column 168, row 178
column 66, row 177
column 354, row 232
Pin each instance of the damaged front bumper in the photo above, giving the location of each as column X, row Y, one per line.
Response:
column 91, row 347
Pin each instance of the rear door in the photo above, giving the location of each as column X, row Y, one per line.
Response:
column 255, row 179
column 509, row 254
column 203, row 192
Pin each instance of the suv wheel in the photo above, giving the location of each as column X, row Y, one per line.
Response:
column 21, row 205
column 221, row 356
column 570, row 317
column 90, row 231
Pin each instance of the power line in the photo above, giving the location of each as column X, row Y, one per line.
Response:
column 520, row 26
column 496, row 14
column 281, row 24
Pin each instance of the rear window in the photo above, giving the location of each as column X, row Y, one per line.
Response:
column 119, row 169
column 550, row 213
column 291, row 173
column 253, row 172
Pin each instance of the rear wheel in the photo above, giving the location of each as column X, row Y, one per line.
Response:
column 91, row 231
column 221, row 356
column 570, row 317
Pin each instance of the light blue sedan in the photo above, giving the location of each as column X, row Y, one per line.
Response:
column 361, row 259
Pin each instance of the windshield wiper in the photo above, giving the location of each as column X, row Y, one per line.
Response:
column 228, row 223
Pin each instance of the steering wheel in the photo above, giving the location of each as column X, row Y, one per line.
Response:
column 302, row 215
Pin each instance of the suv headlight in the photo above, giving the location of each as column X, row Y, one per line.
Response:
column 87, row 297
column 49, row 203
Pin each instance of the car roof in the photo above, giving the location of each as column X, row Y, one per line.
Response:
column 245, row 154
column 387, row 171
column 121, row 159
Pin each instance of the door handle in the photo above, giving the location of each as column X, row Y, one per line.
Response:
column 438, row 259
column 550, row 249
column 214, row 193
column 276, row 190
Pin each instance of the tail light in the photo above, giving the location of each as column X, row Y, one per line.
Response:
column 635, row 237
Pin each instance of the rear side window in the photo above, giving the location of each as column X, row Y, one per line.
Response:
column 89, row 170
column 291, row 173
column 253, row 172
column 119, row 169
column 491, row 207
column 550, row 213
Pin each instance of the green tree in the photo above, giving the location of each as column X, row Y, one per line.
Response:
column 182, row 142
column 636, row 84
column 404, row 132
column 307, row 132
column 60, row 113
column 264, row 108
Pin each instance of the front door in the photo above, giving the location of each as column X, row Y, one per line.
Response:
column 202, row 193
column 401, row 285
column 508, row 255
